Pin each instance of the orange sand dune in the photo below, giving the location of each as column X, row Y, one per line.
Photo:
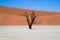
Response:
column 14, row 16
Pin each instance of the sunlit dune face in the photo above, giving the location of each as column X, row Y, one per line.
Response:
column 14, row 16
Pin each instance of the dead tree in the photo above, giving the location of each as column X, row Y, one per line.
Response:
column 32, row 17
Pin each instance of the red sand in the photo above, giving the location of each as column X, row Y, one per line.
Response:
column 14, row 16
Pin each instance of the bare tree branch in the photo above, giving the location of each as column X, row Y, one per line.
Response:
column 25, row 14
column 27, row 17
column 33, row 18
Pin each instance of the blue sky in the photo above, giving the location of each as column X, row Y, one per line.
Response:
column 45, row 5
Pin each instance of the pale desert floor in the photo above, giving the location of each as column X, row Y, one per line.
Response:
column 23, row 33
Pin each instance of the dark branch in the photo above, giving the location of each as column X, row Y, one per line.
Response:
column 27, row 17
column 33, row 18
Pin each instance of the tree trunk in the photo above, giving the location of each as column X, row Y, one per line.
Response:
column 30, row 27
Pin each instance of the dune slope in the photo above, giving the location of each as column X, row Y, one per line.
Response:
column 14, row 16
